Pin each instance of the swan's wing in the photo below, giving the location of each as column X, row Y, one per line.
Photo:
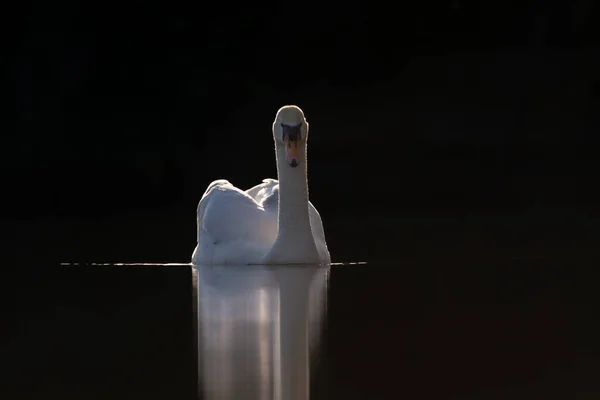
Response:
column 226, row 214
column 262, row 192
column 267, row 195
column 316, row 223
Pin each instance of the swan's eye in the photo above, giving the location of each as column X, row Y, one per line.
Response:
column 293, row 133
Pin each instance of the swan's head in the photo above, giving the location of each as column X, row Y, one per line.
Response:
column 290, row 131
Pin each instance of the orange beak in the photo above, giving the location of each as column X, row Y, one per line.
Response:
column 292, row 151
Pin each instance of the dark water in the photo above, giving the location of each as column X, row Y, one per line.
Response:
column 500, row 329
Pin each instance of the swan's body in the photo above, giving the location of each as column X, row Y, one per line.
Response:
column 271, row 223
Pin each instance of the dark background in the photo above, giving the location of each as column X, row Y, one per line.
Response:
column 453, row 130
column 125, row 113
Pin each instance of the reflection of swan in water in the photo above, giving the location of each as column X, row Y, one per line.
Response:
column 257, row 327
column 271, row 223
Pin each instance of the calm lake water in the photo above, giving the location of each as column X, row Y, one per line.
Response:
column 511, row 329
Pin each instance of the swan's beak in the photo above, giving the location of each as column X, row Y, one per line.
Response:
column 291, row 139
column 292, row 152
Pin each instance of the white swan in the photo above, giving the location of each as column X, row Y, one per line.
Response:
column 271, row 223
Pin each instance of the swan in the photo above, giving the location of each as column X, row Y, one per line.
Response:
column 270, row 223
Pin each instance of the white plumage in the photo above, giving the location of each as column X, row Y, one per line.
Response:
column 271, row 223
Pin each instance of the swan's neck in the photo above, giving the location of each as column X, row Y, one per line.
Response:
column 295, row 242
column 293, row 197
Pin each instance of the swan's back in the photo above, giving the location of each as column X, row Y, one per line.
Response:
column 266, row 193
column 232, row 226
column 237, row 227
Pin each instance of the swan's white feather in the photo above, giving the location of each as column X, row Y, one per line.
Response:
column 267, row 195
column 249, row 227
column 237, row 227
column 265, row 192
column 232, row 226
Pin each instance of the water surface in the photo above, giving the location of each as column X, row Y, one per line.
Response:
column 485, row 330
